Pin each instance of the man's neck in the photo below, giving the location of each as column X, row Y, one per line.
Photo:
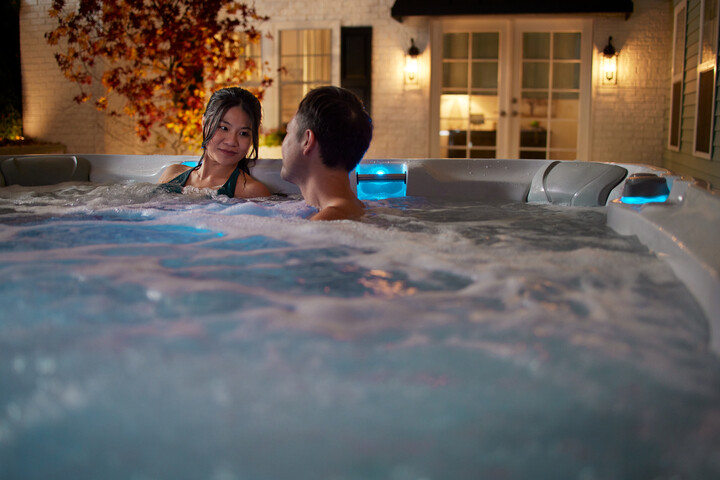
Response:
column 321, row 189
column 330, row 191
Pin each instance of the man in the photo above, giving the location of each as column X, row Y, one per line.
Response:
column 326, row 139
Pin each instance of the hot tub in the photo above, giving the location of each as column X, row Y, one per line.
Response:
column 481, row 322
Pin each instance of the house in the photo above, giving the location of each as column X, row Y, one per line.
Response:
column 614, row 80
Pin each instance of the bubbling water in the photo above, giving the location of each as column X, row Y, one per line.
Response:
column 153, row 335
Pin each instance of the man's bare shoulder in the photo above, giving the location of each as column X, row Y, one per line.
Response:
column 344, row 211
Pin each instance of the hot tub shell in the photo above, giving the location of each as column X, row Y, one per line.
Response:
column 683, row 230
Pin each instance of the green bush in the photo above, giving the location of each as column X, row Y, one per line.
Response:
column 10, row 123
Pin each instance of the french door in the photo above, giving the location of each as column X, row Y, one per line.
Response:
column 511, row 88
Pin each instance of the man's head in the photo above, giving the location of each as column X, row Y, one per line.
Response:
column 340, row 123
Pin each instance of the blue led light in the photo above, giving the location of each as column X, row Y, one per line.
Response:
column 381, row 187
column 643, row 200
column 381, row 190
column 191, row 163
column 381, row 168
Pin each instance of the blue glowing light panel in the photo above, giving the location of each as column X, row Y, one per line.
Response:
column 381, row 180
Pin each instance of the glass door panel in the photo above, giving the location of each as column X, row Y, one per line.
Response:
column 566, row 105
column 455, row 46
column 536, row 45
column 483, row 125
column 566, row 76
column 455, row 76
column 564, row 135
column 533, row 138
column 549, row 93
column 469, row 105
column 535, row 75
column 566, row 46
column 453, row 125
column 484, row 75
column 512, row 88
column 485, row 45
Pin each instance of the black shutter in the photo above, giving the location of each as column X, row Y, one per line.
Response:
column 356, row 62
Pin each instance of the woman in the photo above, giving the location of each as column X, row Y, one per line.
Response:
column 231, row 125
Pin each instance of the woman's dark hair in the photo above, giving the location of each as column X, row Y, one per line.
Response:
column 340, row 123
column 220, row 102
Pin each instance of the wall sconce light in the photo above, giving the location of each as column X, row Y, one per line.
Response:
column 609, row 64
column 411, row 64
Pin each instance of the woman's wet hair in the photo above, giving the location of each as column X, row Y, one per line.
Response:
column 220, row 102
column 340, row 123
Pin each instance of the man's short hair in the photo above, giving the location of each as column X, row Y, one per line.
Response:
column 340, row 123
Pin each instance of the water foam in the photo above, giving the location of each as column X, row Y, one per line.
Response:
column 427, row 329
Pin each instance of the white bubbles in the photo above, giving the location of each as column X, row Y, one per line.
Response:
column 154, row 295
column 19, row 365
column 45, row 365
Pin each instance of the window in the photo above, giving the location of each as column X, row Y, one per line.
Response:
column 678, row 71
column 248, row 70
column 305, row 57
column 250, row 58
column 707, row 63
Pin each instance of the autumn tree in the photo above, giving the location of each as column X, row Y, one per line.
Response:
column 160, row 57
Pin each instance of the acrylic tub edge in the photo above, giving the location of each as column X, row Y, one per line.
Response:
column 684, row 231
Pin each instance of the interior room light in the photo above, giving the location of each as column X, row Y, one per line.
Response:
column 411, row 64
column 609, row 64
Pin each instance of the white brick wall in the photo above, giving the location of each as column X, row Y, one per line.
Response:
column 49, row 113
column 628, row 120
column 401, row 118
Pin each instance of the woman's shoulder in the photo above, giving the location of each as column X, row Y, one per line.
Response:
column 173, row 171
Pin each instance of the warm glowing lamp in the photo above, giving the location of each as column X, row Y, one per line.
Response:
column 609, row 64
column 411, row 64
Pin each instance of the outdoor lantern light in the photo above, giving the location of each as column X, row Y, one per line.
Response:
column 411, row 64
column 609, row 64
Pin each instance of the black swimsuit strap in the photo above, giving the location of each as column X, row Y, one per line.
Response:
column 227, row 189
column 182, row 178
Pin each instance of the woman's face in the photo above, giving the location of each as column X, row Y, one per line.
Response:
column 232, row 139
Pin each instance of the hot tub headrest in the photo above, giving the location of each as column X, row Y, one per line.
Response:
column 44, row 170
column 575, row 183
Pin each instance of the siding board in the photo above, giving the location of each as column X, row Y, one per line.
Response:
column 684, row 161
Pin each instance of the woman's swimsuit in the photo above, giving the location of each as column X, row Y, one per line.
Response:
column 176, row 184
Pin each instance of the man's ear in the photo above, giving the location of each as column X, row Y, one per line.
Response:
column 309, row 141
